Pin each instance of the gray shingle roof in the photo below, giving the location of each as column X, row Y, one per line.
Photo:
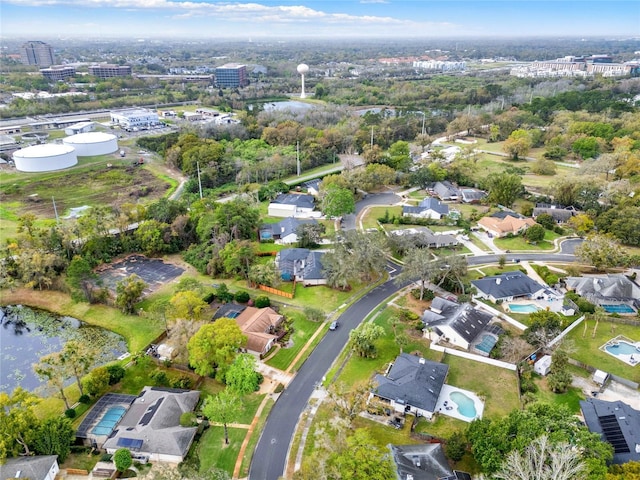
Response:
column 445, row 190
column 422, row 462
column 313, row 269
column 507, row 284
column 612, row 286
column 617, row 423
column 286, row 227
column 291, row 260
column 467, row 321
column 33, row 468
column 300, row 201
column 154, row 418
column 413, row 381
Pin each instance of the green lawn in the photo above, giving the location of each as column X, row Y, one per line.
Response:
column 303, row 330
column 587, row 348
column 250, row 407
column 497, row 386
column 571, row 398
column 519, row 243
column 370, row 218
column 253, row 441
column 213, row 452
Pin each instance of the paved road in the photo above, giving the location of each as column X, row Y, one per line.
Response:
column 373, row 199
column 270, row 456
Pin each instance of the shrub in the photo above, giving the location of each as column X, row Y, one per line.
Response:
column 456, row 446
column 209, row 297
column 85, row 399
column 159, row 377
column 183, row 382
column 70, row 413
column 116, row 373
column 262, row 301
column 188, row 419
column 242, row 296
column 279, row 388
column 106, row 457
column 314, row 314
column 122, row 459
column 427, row 294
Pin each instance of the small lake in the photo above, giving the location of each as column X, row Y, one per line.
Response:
column 27, row 334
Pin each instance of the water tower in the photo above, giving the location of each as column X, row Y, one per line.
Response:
column 302, row 69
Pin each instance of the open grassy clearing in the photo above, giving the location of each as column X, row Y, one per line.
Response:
column 587, row 347
column 370, row 218
column 519, row 243
column 213, row 452
column 571, row 398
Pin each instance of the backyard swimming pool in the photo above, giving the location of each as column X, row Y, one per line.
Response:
column 108, row 421
column 523, row 308
column 466, row 405
column 621, row 308
column 622, row 348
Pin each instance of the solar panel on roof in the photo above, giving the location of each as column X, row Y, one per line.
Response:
column 131, row 443
column 613, row 434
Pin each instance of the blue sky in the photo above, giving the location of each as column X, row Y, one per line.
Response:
column 320, row 18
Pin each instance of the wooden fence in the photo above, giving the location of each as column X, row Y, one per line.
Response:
column 280, row 293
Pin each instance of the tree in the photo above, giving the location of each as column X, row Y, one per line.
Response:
column 399, row 156
column 79, row 277
column 215, row 346
column 362, row 339
column 626, row 471
column 456, row 446
column 543, row 460
column 122, row 459
column 362, row 458
column 310, row 234
column 97, row 382
column 348, row 401
column 559, row 377
column 420, row 264
column 154, row 237
column 187, row 304
column 128, row 293
column 535, row 233
column 78, row 357
column 502, row 260
column 518, row 144
column 237, row 257
column 504, row 188
column 17, row 422
column 546, row 220
column 53, row 369
column 264, row 274
column 601, row 251
column 543, row 167
column 54, row 436
column 223, row 408
column 544, row 326
column 337, row 202
column 242, row 377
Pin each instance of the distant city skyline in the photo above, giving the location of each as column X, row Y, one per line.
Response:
column 316, row 19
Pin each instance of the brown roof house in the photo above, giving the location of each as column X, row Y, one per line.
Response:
column 260, row 325
column 501, row 227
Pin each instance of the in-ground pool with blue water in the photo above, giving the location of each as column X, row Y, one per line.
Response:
column 519, row 308
column 622, row 308
column 466, row 405
column 108, row 421
column 622, row 348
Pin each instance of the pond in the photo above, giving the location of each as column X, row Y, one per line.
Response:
column 27, row 334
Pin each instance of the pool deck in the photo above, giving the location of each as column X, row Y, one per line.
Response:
column 631, row 359
column 451, row 408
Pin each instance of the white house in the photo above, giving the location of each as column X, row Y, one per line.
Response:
column 292, row 205
column 543, row 365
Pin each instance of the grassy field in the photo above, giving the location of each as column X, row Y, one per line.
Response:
column 370, row 218
column 587, row 347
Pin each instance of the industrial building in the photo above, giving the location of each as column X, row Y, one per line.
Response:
column 107, row 70
column 37, row 53
column 135, row 118
column 231, row 75
column 58, row 72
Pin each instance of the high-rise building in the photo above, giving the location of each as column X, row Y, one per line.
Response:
column 37, row 53
column 231, row 75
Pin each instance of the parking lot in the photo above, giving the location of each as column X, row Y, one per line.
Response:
column 153, row 271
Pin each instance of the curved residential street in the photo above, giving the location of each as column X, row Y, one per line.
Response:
column 271, row 454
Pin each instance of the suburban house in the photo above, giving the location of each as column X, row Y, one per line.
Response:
column 509, row 224
column 411, row 385
column 617, row 423
column 38, row 467
column 611, row 289
column 312, row 186
column 292, row 205
column 472, row 195
column 260, row 326
column 559, row 214
column 445, row 191
column 285, row 231
column 302, row 265
column 423, row 237
column 424, row 462
column 428, row 208
column 151, row 428
column 457, row 323
column 508, row 286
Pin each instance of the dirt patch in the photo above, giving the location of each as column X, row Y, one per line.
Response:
column 101, row 185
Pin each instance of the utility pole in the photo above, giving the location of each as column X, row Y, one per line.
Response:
column 371, row 136
column 298, row 157
column 199, row 181
column 55, row 210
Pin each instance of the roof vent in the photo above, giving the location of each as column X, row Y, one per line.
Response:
column 498, row 281
column 18, row 474
column 421, row 360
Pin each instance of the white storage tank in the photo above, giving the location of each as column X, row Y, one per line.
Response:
column 92, row 143
column 45, row 157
